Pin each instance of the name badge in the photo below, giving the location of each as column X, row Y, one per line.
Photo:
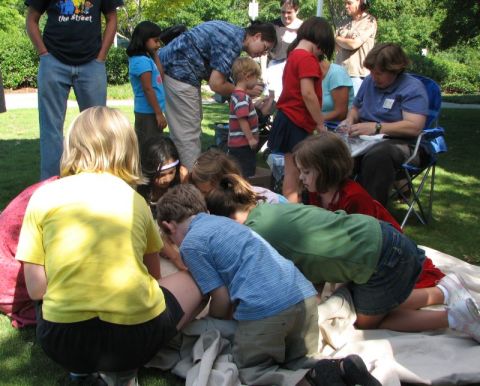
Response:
column 388, row 103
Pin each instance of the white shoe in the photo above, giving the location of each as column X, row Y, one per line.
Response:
column 464, row 316
column 453, row 289
column 124, row 378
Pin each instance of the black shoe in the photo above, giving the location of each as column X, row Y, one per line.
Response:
column 355, row 372
column 326, row 372
column 92, row 379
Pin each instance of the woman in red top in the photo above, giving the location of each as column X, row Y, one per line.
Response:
column 300, row 104
column 325, row 165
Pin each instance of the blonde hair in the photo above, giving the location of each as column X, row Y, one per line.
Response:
column 243, row 67
column 101, row 139
column 211, row 166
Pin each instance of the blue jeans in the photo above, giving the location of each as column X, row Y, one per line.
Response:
column 397, row 271
column 55, row 79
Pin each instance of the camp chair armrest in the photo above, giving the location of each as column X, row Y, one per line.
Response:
column 415, row 150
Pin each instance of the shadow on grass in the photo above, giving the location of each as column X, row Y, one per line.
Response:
column 23, row 362
column 19, row 165
column 455, row 216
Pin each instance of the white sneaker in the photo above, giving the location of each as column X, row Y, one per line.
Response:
column 453, row 289
column 464, row 316
column 124, row 378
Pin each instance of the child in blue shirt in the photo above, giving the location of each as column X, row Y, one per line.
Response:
column 145, row 72
column 274, row 304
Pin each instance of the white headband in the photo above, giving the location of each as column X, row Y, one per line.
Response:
column 167, row 166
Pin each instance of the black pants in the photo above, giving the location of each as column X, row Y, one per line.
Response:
column 246, row 158
column 94, row 345
column 378, row 167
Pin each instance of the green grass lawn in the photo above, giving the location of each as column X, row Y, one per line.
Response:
column 454, row 228
column 124, row 91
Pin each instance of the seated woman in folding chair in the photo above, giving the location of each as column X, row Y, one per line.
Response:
column 389, row 102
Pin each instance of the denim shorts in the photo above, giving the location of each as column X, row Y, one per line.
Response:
column 285, row 134
column 392, row 282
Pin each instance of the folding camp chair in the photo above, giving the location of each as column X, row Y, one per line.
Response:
column 433, row 141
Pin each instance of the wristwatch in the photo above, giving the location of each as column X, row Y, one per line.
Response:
column 378, row 127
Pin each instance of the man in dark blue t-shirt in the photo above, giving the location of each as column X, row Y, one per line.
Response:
column 72, row 54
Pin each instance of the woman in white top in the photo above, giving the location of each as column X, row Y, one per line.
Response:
column 355, row 37
column 286, row 27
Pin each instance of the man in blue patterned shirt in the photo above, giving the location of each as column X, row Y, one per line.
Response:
column 206, row 52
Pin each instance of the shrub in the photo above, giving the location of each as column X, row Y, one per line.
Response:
column 446, row 69
column 117, row 66
column 18, row 60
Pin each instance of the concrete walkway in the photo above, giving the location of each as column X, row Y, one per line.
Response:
column 449, row 105
column 29, row 101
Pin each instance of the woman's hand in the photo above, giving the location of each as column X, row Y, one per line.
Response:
column 409, row 127
column 363, row 128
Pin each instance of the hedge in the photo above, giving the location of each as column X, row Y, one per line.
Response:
column 18, row 61
column 117, row 66
column 452, row 75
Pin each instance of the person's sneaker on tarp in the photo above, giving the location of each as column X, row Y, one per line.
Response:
column 453, row 289
column 349, row 371
column 355, row 372
column 121, row 378
column 326, row 372
column 90, row 379
column 464, row 316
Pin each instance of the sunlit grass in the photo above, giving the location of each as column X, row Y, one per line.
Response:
column 124, row 91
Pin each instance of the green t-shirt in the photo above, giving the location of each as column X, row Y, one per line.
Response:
column 325, row 246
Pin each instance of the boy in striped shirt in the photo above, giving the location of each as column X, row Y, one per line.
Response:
column 243, row 119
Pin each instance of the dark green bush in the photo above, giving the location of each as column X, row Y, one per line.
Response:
column 18, row 60
column 447, row 69
column 117, row 66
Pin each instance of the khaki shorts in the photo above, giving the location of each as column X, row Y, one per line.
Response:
column 284, row 341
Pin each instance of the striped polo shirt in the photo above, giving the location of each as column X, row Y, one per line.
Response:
column 221, row 252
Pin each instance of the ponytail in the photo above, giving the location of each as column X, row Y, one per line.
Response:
column 232, row 194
